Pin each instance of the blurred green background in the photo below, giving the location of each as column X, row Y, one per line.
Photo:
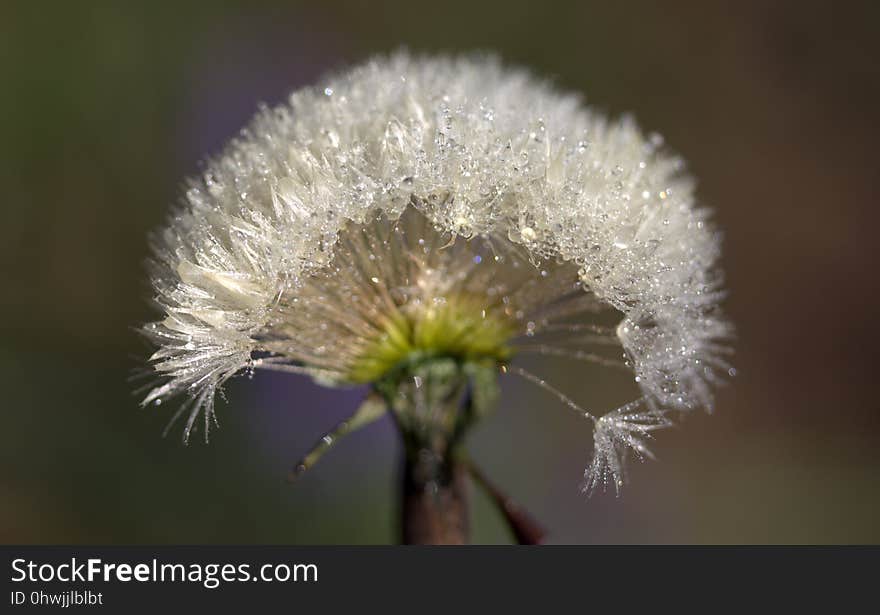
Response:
column 106, row 107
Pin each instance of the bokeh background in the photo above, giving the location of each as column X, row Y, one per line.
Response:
column 106, row 107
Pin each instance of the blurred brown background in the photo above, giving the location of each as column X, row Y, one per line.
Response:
column 105, row 108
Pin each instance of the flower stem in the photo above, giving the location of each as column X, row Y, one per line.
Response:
column 434, row 402
column 435, row 501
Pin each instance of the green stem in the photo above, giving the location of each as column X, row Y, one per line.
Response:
column 435, row 401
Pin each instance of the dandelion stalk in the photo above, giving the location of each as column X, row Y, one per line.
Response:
column 434, row 400
column 434, row 502
column 419, row 224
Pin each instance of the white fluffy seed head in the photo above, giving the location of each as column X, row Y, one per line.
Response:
column 479, row 149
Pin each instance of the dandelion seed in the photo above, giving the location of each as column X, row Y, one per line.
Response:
column 409, row 246
column 618, row 433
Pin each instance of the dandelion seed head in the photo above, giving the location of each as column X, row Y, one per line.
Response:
column 437, row 205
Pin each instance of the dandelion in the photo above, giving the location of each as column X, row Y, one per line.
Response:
column 418, row 225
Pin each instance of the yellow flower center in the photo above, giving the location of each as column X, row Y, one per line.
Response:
column 457, row 327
